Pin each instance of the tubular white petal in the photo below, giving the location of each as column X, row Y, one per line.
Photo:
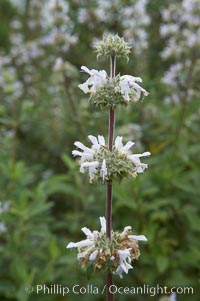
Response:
column 93, row 139
column 87, row 156
column 83, row 147
column 126, row 229
column 101, row 140
column 84, row 253
column 136, row 86
column 128, row 85
column 71, row 245
column 90, row 164
column 87, row 232
column 125, row 90
column 84, row 243
column 103, row 171
column 92, row 171
column 96, row 80
column 131, row 78
column 96, row 144
column 93, row 256
column 82, row 169
column 103, row 223
column 94, row 72
column 140, row 168
column 126, row 266
column 123, row 254
column 145, row 154
column 84, row 87
column 119, row 271
column 85, row 69
column 145, row 92
column 95, row 234
column 79, row 145
column 118, row 142
column 103, row 73
column 76, row 153
column 128, row 145
column 134, row 159
column 138, row 237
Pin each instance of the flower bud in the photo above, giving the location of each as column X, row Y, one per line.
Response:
column 114, row 46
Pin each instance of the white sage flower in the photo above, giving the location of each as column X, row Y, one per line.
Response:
column 88, row 245
column 129, row 87
column 4, row 206
column 59, row 63
column 124, row 262
column 88, row 161
column 138, row 237
column 139, row 166
column 97, row 143
column 92, row 168
column 103, row 224
column 103, row 171
column 96, row 80
column 123, row 148
column 126, row 230
column 134, row 158
column 93, row 256
column 3, row 227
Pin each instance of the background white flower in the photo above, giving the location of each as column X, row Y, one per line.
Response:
column 3, row 227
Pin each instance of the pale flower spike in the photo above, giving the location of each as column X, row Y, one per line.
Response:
column 107, row 250
column 118, row 254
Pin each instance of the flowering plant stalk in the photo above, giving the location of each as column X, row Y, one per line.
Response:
column 109, row 250
column 109, row 278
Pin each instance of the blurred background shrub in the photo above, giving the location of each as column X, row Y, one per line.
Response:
column 44, row 201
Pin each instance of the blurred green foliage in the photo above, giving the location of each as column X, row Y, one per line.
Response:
column 49, row 201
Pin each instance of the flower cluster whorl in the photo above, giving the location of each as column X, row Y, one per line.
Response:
column 107, row 166
column 115, row 255
column 105, row 92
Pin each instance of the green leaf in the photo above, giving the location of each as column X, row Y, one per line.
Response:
column 162, row 263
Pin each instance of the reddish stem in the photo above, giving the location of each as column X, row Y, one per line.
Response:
column 109, row 277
